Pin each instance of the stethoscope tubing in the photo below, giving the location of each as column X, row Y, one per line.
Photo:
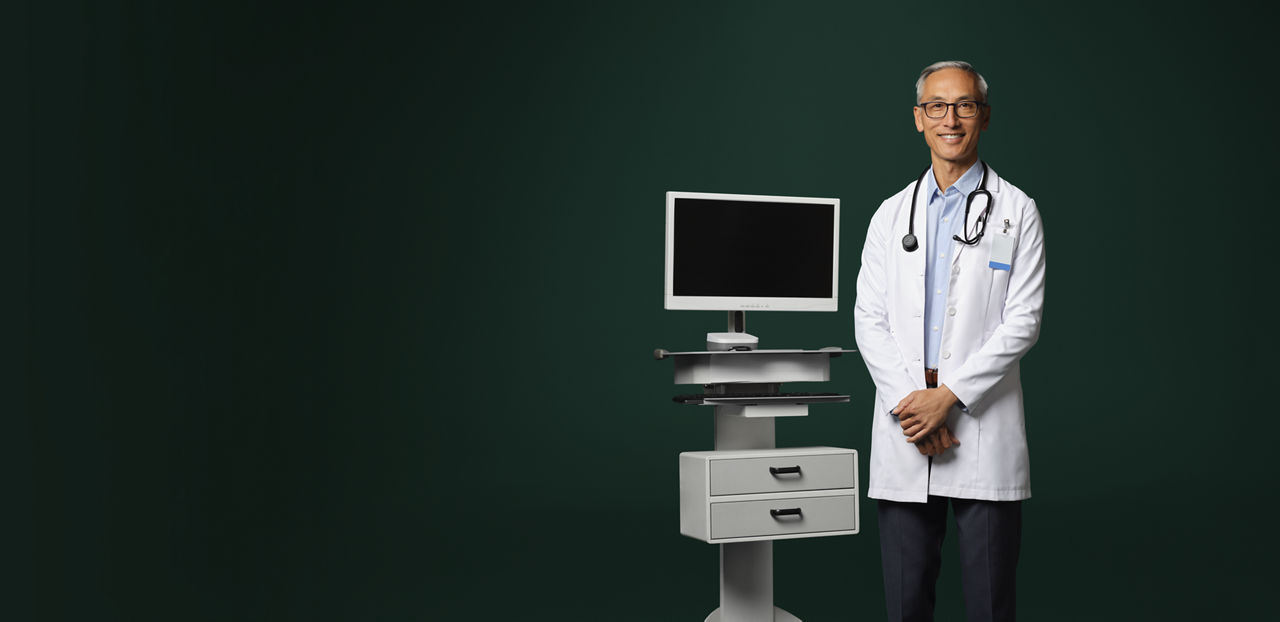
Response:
column 909, row 241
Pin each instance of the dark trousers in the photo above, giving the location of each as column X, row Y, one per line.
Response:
column 990, row 535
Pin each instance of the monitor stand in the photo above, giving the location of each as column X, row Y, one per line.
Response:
column 737, row 337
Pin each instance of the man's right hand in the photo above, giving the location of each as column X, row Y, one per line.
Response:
column 941, row 440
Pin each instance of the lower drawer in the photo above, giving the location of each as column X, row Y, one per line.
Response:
column 773, row 517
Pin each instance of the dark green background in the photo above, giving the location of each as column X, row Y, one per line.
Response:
column 344, row 311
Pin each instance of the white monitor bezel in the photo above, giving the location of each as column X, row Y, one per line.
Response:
column 753, row 303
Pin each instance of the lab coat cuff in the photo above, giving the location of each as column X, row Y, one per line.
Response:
column 962, row 398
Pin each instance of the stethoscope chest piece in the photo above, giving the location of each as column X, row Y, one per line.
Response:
column 909, row 242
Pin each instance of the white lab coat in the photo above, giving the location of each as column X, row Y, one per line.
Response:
column 992, row 318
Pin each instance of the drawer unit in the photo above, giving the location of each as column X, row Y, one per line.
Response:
column 767, row 494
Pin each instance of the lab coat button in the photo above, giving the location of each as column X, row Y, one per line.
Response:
column 946, row 355
column 955, row 270
column 951, row 311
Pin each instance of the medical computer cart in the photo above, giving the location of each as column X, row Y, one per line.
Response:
column 747, row 492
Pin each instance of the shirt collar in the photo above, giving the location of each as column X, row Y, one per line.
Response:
column 967, row 183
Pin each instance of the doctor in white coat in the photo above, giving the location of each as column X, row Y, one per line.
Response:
column 942, row 323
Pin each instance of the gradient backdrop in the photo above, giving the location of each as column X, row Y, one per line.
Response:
column 344, row 311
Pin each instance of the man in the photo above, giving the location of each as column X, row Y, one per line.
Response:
column 942, row 323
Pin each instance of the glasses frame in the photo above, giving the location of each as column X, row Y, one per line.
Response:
column 951, row 107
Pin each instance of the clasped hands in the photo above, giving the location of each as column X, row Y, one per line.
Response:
column 923, row 414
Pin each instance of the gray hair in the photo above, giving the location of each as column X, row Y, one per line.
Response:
column 951, row 64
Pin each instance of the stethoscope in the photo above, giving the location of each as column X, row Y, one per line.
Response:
column 909, row 242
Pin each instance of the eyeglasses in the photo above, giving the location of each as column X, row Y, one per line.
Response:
column 965, row 109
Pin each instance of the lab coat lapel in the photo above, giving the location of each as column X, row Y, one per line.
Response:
column 912, row 271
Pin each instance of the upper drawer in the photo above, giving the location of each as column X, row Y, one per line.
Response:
column 742, row 476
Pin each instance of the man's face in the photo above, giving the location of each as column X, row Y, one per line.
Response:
column 952, row 139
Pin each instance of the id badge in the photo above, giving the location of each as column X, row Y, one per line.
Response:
column 1002, row 249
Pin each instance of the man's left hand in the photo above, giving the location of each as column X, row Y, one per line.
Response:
column 921, row 412
column 938, row 442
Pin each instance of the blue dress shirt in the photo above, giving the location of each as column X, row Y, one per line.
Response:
column 945, row 219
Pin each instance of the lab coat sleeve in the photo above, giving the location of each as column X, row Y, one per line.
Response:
column 1019, row 326
column 871, row 326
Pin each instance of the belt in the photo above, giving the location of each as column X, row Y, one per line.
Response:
column 931, row 378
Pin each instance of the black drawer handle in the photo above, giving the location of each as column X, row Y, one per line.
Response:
column 786, row 512
column 776, row 471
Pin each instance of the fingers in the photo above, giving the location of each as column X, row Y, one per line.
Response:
column 905, row 403
column 911, row 420
column 951, row 436
column 944, row 438
column 924, row 430
column 928, row 446
column 937, row 443
column 913, row 429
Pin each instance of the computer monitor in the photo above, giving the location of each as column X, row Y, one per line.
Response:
column 731, row 252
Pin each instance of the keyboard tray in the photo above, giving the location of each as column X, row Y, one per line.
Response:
column 742, row 399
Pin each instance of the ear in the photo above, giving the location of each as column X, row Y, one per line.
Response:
column 986, row 118
column 919, row 115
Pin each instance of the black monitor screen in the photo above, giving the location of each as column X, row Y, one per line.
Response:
column 753, row 248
